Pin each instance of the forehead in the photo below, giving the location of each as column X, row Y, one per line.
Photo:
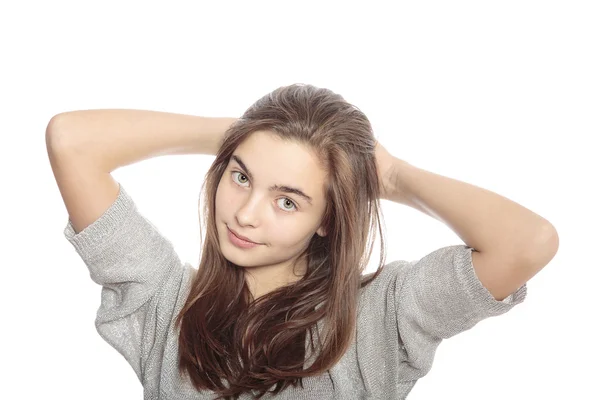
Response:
column 274, row 161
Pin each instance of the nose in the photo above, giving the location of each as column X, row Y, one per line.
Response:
column 248, row 214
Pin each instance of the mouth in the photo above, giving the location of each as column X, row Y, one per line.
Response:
column 241, row 237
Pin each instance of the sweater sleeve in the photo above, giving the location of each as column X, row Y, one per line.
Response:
column 440, row 296
column 408, row 310
column 127, row 255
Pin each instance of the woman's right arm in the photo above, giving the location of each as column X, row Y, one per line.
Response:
column 114, row 138
column 84, row 147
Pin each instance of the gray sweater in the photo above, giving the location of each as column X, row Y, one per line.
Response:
column 403, row 314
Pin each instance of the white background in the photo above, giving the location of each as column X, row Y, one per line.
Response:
column 503, row 95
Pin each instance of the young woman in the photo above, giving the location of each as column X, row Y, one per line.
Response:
column 279, row 305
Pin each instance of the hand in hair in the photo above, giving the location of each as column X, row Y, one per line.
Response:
column 387, row 168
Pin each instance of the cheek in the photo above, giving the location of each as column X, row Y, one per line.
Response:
column 223, row 199
column 290, row 233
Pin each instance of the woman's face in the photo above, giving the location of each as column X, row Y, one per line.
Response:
column 251, row 202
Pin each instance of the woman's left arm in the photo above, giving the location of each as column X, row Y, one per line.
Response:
column 511, row 242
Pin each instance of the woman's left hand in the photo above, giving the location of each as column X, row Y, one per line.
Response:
column 391, row 170
column 385, row 162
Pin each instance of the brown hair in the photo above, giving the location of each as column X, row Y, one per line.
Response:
column 225, row 335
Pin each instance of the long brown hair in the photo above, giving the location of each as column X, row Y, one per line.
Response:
column 226, row 335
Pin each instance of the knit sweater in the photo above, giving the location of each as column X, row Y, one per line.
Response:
column 403, row 315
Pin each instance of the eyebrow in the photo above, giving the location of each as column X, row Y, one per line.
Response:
column 280, row 188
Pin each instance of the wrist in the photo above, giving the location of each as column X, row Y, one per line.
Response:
column 395, row 182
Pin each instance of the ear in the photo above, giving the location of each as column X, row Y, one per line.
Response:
column 321, row 232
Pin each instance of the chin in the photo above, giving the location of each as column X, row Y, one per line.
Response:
column 239, row 262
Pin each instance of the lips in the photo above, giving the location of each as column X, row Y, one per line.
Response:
column 242, row 237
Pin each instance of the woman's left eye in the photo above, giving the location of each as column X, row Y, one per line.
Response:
column 290, row 202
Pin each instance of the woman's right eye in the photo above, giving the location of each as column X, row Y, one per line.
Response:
column 240, row 174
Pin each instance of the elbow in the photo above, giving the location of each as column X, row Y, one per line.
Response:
column 543, row 250
column 56, row 137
